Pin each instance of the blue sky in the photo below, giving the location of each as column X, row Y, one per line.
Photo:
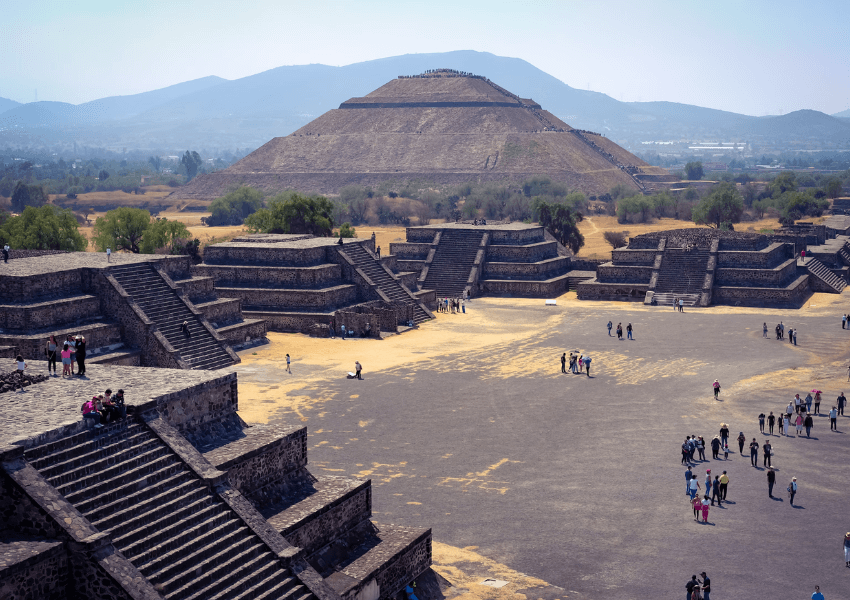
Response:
column 752, row 57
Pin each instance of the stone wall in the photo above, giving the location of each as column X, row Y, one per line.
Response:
column 243, row 332
column 774, row 277
column 412, row 563
column 534, row 289
column 320, row 300
column 763, row 259
column 418, row 235
column 53, row 313
column 21, row 290
column 611, row 273
column 629, row 256
column 266, row 463
column 595, row 290
column 20, row 514
column 543, row 269
column 222, row 311
column 700, row 237
column 32, row 347
column 414, row 266
column 792, row 295
column 410, row 250
column 500, row 237
column 197, row 289
column 254, row 254
column 316, row 276
column 292, row 321
column 199, row 404
column 340, row 515
column 33, row 570
column 526, row 253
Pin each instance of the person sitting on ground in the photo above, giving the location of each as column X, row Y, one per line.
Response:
column 111, row 412
column 89, row 410
column 118, row 400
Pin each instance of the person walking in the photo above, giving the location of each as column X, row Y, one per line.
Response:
column 5, row 253
column 288, row 360
column 688, row 476
column 809, row 400
column 847, row 549
column 707, row 482
column 741, row 441
column 843, row 321
column 716, row 386
column 629, row 331
column 696, row 504
column 357, row 369
column 761, row 422
column 620, row 337
column 715, row 447
column 808, row 424
column 564, row 362
column 724, row 485
column 767, row 450
column 587, row 365
column 610, row 325
column 771, row 480
column 795, row 337
column 754, row 453
column 781, row 420
column 706, row 504
column 20, row 367
column 787, row 425
column 693, row 487
column 580, row 363
column 833, row 417
column 817, row 402
column 81, row 356
column 724, row 433
column 771, row 421
column 797, row 402
column 817, row 595
column 799, row 423
column 792, row 489
column 841, row 400
column 726, row 452
column 715, row 490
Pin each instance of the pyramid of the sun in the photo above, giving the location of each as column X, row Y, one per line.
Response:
column 441, row 127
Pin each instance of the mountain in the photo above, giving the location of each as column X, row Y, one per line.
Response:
column 215, row 114
column 6, row 104
column 844, row 114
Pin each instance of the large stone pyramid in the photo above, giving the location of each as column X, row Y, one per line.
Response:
column 442, row 127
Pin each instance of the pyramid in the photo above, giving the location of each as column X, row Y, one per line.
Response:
column 442, row 127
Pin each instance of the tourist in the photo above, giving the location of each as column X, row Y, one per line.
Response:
column 833, row 416
column 716, row 386
column 787, row 425
column 108, row 254
column 797, row 402
column 724, row 485
column 777, row 331
column 694, row 487
column 742, row 439
column 795, row 337
column 90, row 411
column 843, row 321
column 288, row 359
column 688, row 476
column 808, row 424
column 342, row 331
column 761, row 422
column 572, row 362
column 629, row 331
column 754, row 453
column 368, row 330
column 706, row 503
column 715, row 490
column 81, row 355
column 696, row 504
column 771, row 479
column 767, row 449
column 118, row 400
column 340, row 241
column 564, row 362
column 817, row 402
column 707, row 482
column 817, row 595
column 72, row 344
column 676, row 303
column 847, row 549
column 809, row 402
column 706, row 582
column 111, row 411
column 701, row 448
column 357, row 369
column 841, row 400
column 792, row 489
column 681, row 305
column 724, row 433
column 771, row 421
column 378, row 251
column 620, row 336
column 20, row 367
column 463, row 306
column 764, row 331
column 799, row 423
column 52, row 352
column 726, row 452
column 686, row 451
column 610, row 325
column 184, row 329
column 781, row 330
column 587, row 365
column 791, row 335
column 66, row 360
column 581, row 363
column 5, row 253
column 693, row 583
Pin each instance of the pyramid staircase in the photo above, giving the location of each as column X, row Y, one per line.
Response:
column 168, row 310
column 387, row 283
column 682, row 275
column 162, row 517
column 452, row 264
column 819, row 270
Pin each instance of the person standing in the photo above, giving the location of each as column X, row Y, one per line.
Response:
column 761, row 422
column 20, row 367
column 795, row 337
column 72, row 344
column 706, row 503
column 693, row 583
column 817, row 402
column 791, row 335
column 629, row 331
column 726, row 452
column 716, row 386
column 620, row 337
column 792, row 489
column 81, row 356
column 688, row 476
column 5, row 253
column 715, row 490
column 52, row 351
column 724, row 433
column 681, row 305
column 771, row 420
column 808, row 424
column 741, row 441
column 701, row 448
column 771, row 480
column 843, row 321
column 817, row 595
column 799, row 423
column 707, row 482
column 610, row 325
column 724, row 485
column 108, row 254
column 357, row 369
column 847, row 549
column 288, row 359
column 767, row 449
column 754, row 453
column 564, row 362
column 693, row 486
column 841, row 402
column 809, row 402
column 797, row 402
column 696, row 504
column 764, row 330
column 781, row 330
column 587, row 365
column 833, row 417
column 706, row 586
column 463, row 306
column 580, row 363
column 787, row 425
column 715, row 447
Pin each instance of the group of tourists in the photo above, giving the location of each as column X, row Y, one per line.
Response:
column 579, row 363
column 699, row 589
column 451, row 305
column 678, row 304
column 799, row 412
column 629, row 330
column 72, row 351
column 105, row 408
column 780, row 332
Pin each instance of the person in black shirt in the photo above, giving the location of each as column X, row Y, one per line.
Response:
column 761, row 422
column 841, row 402
column 715, row 448
column 808, row 424
column 771, row 479
column 770, row 422
column 767, row 448
column 754, row 453
column 693, row 583
column 706, row 586
column 564, row 362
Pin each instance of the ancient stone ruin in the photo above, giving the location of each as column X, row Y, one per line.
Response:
column 706, row 266
column 443, row 127
column 183, row 500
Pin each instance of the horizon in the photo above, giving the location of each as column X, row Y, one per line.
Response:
column 125, row 58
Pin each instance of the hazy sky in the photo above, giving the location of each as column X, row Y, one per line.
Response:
column 745, row 56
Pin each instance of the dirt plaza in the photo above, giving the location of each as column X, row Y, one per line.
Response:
column 469, row 425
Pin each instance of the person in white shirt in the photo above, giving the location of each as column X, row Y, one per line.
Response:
column 108, row 254
column 21, row 365
column 833, row 415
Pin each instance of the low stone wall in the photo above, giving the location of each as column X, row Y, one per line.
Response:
column 526, row 253
column 265, row 463
column 544, row 269
column 33, row 569
column 594, row 290
column 244, row 332
column 299, row 322
column 121, row 359
column 408, row 279
column 355, row 321
column 197, row 289
column 411, row 562
column 611, row 273
column 775, row 277
column 32, row 347
column 418, row 235
column 53, row 313
column 793, row 295
column 534, row 289
column 638, row 257
column 762, row 259
column 244, row 254
column 507, row 237
column 199, row 404
column 586, row 264
column 389, row 262
column 428, row 297
column 339, row 515
column 316, row 276
column 414, row 266
column 221, row 311
column 324, row 299
column 22, row 253
column 410, row 250
column 31, row 288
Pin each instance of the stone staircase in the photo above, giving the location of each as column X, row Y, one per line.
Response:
column 167, row 309
column 681, row 275
column 817, row 269
column 667, row 299
column 162, row 517
column 388, row 284
column 455, row 255
column 844, row 255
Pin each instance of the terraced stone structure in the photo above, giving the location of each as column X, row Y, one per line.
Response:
column 706, row 266
column 130, row 310
column 183, row 500
column 454, row 259
column 443, row 127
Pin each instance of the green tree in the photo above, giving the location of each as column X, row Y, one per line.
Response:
column 694, row 170
column 121, row 229
column 234, row 207
column 191, row 161
column 103, row 175
column 562, row 223
column 617, row 239
column 722, row 205
column 291, row 212
column 346, row 231
column 162, row 233
column 45, row 228
column 155, row 162
column 784, row 182
column 28, row 195
column 833, row 187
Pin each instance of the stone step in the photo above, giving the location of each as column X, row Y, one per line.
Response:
column 163, row 479
column 156, row 526
column 225, row 558
column 110, row 468
column 51, row 468
column 275, row 586
column 111, row 516
column 201, row 539
column 81, row 443
column 240, row 574
column 123, row 480
column 171, row 565
column 207, row 517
